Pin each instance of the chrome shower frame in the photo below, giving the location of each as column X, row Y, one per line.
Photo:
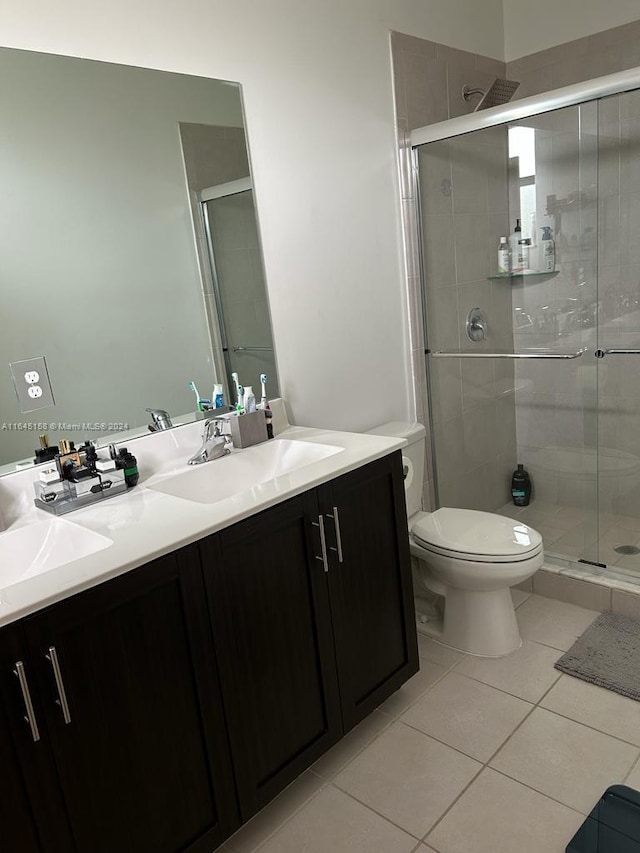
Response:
column 568, row 96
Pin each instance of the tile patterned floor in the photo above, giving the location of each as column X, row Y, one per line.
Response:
column 471, row 756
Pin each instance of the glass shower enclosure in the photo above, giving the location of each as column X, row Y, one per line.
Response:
column 539, row 365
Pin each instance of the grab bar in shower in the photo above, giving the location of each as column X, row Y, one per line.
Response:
column 564, row 355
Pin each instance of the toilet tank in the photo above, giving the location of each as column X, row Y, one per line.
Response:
column 412, row 458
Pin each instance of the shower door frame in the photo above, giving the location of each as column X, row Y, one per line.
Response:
column 557, row 99
column 568, row 96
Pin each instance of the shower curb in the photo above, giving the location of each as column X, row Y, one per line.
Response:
column 583, row 588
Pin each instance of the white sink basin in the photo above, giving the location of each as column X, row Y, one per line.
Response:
column 42, row 546
column 222, row 478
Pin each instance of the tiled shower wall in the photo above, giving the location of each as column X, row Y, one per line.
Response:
column 573, row 62
column 464, row 212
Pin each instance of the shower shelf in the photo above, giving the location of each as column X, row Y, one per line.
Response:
column 531, row 274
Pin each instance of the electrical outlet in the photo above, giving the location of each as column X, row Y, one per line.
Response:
column 31, row 381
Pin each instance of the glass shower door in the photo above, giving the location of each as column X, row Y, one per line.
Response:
column 557, row 401
column 619, row 333
column 523, row 387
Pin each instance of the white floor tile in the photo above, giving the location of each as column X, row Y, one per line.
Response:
column 333, row 822
column 527, row 673
column 408, row 777
column 498, row 815
column 553, row 623
column 467, row 715
column 351, row 744
column 414, row 688
column 564, row 760
column 633, row 779
column 272, row 816
column 594, row 706
column 436, row 652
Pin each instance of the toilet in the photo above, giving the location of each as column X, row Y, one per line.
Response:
column 469, row 557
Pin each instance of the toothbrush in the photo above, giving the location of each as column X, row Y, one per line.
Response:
column 192, row 385
column 240, row 407
column 263, row 382
column 201, row 404
column 234, row 377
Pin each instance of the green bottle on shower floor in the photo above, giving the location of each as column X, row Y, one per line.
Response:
column 521, row 487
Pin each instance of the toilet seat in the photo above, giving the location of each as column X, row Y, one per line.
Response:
column 483, row 537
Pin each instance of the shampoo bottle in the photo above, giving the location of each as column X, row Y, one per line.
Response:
column 514, row 247
column 504, row 257
column 521, row 487
column 547, row 251
column 523, row 261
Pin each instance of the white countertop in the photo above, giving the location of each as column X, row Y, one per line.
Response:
column 144, row 524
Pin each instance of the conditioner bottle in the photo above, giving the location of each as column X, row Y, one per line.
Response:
column 521, row 487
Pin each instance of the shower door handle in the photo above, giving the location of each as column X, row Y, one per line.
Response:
column 556, row 355
column 600, row 353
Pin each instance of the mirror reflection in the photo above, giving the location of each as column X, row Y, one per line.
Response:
column 129, row 249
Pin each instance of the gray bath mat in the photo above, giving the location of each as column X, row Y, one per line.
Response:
column 607, row 654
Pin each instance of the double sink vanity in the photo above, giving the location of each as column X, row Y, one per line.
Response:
column 172, row 658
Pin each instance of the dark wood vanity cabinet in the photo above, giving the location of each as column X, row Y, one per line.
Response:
column 271, row 618
column 370, row 585
column 308, row 642
column 123, row 679
column 176, row 700
column 18, row 831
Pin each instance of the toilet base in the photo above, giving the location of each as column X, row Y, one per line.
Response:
column 476, row 623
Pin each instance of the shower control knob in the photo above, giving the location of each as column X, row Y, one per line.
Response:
column 599, row 353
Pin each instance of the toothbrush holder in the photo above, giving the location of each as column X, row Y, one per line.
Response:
column 248, row 429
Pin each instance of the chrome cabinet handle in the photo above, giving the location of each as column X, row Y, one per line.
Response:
column 52, row 657
column 336, row 523
column 323, row 542
column 440, row 354
column 30, row 716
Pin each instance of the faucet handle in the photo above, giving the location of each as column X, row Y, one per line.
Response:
column 161, row 418
column 211, row 429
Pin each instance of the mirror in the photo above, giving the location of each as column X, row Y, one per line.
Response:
column 129, row 248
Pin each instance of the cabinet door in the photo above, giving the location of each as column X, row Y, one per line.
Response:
column 272, row 628
column 32, row 814
column 371, row 589
column 141, row 749
column 18, row 832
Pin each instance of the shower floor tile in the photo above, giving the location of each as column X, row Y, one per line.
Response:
column 573, row 533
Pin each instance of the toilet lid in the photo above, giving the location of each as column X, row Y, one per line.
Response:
column 469, row 532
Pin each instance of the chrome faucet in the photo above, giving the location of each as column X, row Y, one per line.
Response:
column 214, row 444
column 161, row 420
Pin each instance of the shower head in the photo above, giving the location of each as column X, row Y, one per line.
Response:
column 500, row 92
